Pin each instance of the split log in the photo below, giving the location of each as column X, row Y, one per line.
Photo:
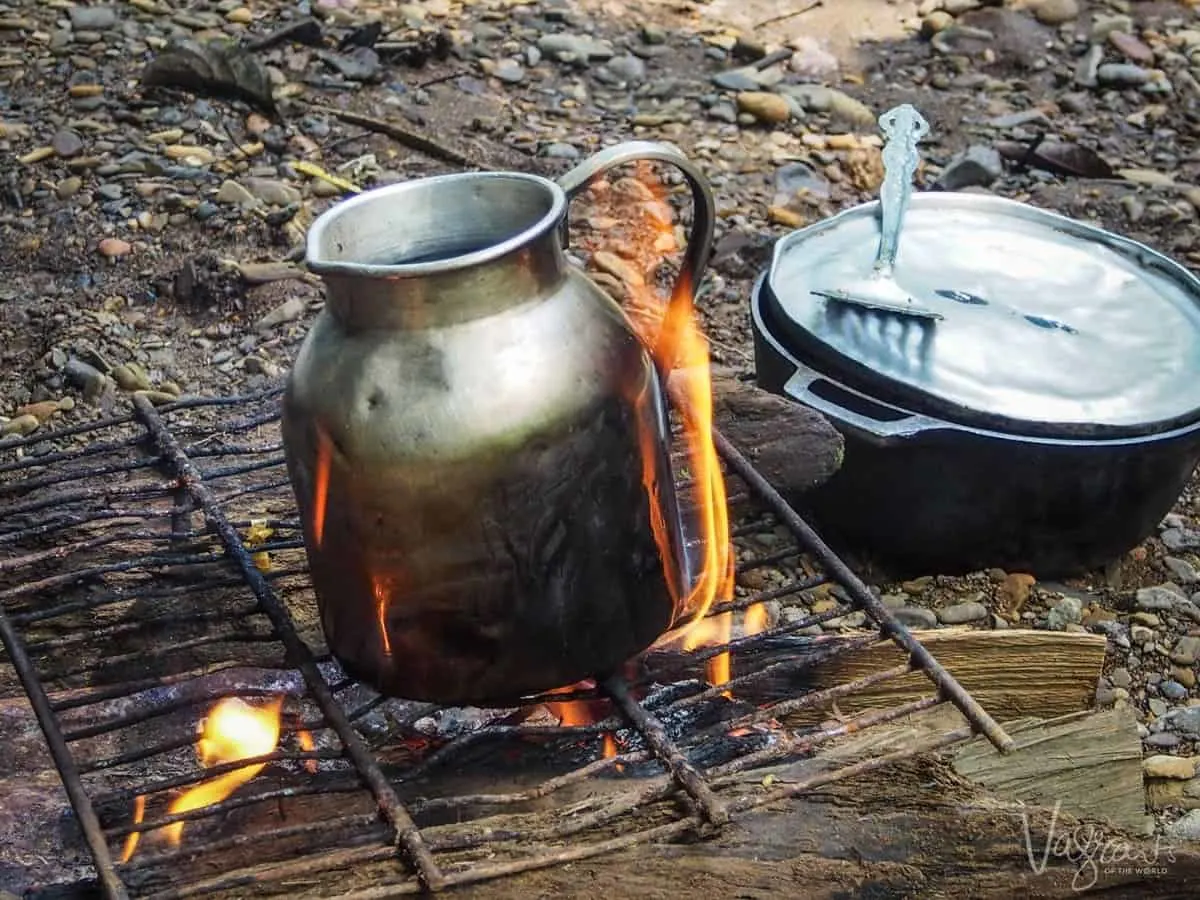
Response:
column 917, row 828
column 1012, row 673
column 1037, row 653
column 1090, row 763
column 794, row 447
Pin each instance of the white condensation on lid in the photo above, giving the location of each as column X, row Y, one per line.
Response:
column 1045, row 320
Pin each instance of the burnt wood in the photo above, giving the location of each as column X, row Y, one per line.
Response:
column 914, row 830
column 794, row 447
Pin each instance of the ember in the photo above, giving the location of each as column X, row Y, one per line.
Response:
column 581, row 712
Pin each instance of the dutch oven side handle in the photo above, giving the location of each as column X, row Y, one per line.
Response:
column 878, row 422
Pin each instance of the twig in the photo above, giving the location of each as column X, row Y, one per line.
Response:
column 791, row 15
column 442, row 79
column 408, row 138
column 774, row 57
column 1026, row 160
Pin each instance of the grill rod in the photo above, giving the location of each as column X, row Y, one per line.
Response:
column 114, row 889
column 408, row 836
column 173, row 453
column 862, row 596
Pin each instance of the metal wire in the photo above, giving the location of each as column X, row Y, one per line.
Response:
column 407, row 834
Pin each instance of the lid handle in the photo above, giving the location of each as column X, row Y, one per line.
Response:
column 902, row 127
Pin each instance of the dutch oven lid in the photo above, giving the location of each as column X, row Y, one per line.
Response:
column 1048, row 326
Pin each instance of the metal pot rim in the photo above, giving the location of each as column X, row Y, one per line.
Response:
column 316, row 255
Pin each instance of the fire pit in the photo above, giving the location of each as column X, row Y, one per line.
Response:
column 152, row 579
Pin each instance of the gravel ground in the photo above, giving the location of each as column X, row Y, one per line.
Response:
column 149, row 233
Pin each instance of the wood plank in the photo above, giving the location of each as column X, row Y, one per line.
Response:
column 1012, row 673
column 1090, row 763
column 913, row 830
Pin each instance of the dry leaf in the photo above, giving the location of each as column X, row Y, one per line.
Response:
column 1014, row 593
column 216, row 67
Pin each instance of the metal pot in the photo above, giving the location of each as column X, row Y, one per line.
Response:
column 1044, row 418
column 477, row 441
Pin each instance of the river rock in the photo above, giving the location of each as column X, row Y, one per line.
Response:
column 1160, row 597
column 67, row 143
column 1164, row 766
column 962, row 613
column 1055, row 12
column 1122, row 75
column 572, row 48
column 977, row 166
column 92, row 18
column 1068, row 611
column 1131, row 48
column 765, row 107
column 271, row 191
column 112, row 247
column 1181, row 570
column 916, row 617
column 1187, row 651
column 509, row 71
column 234, row 194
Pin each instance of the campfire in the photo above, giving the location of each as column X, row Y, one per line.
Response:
column 156, row 612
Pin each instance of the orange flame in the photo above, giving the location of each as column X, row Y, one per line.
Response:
column 756, row 619
column 321, row 484
column 580, row 712
column 382, row 602
column 234, row 730
column 681, row 340
column 610, row 750
column 680, row 346
column 571, row 712
column 131, row 839
column 305, row 739
column 610, row 747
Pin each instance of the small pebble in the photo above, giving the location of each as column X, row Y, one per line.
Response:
column 764, row 107
column 962, row 613
column 916, row 617
column 1176, row 767
column 114, row 248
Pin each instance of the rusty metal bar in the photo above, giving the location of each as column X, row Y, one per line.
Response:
column 664, row 748
column 114, row 889
column 196, row 452
column 407, row 835
column 863, row 597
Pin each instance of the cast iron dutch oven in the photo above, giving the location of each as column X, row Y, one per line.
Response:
column 1046, row 423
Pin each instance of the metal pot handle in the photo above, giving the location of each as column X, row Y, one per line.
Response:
column 700, row 241
column 888, row 424
column 695, row 258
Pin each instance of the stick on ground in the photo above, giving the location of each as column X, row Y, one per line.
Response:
column 406, row 136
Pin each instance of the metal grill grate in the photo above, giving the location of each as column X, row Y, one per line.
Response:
column 129, row 604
